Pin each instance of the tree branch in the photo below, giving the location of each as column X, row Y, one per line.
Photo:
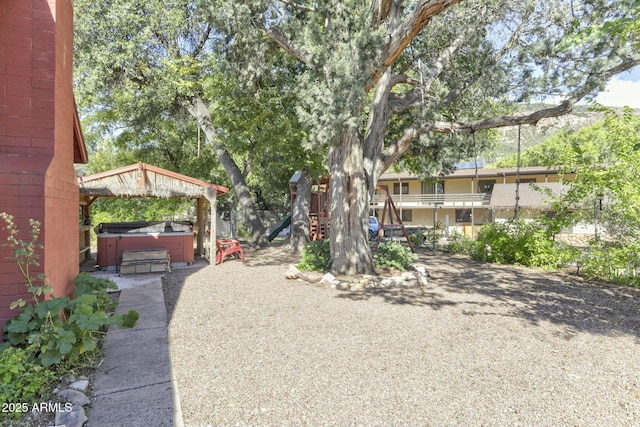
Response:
column 380, row 11
column 202, row 42
column 405, row 101
column 281, row 41
column 402, row 144
column 565, row 107
column 298, row 6
column 407, row 30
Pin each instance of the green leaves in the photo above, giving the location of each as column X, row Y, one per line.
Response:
column 316, row 256
column 59, row 328
column 396, row 256
column 21, row 378
column 521, row 242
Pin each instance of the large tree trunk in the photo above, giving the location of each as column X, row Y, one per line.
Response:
column 349, row 198
column 300, row 213
column 251, row 219
column 257, row 233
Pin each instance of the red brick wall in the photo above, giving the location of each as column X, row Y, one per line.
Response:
column 37, row 179
column 62, row 231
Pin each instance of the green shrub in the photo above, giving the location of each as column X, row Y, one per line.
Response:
column 613, row 262
column 59, row 328
column 459, row 244
column 394, row 255
column 521, row 242
column 316, row 256
column 417, row 240
column 21, row 379
column 64, row 329
column 434, row 234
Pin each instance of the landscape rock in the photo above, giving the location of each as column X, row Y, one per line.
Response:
column 343, row 286
column 356, row 286
column 80, row 385
column 422, row 269
column 328, row 279
column 408, row 275
column 75, row 418
column 74, row 396
column 292, row 272
column 396, row 280
column 406, row 279
column 422, row 279
column 309, row 276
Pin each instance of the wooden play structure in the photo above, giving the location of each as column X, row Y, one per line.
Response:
column 319, row 214
column 319, row 221
column 392, row 211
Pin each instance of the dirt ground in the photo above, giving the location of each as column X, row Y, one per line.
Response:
column 480, row 344
column 533, row 294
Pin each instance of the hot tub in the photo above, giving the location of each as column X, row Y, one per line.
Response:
column 116, row 237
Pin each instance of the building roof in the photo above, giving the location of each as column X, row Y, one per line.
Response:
column 471, row 173
column 143, row 180
column 80, row 154
column 504, row 195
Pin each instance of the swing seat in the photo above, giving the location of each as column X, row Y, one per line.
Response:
column 228, row 248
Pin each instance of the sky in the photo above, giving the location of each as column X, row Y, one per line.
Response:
column 623, row 89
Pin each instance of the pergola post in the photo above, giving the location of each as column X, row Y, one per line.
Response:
column 200, row 224
column 212, row 196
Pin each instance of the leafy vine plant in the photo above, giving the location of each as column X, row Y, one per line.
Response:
column 57, row 329
column 26, row 257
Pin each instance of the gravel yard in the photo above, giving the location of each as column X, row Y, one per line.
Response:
column 482, row 344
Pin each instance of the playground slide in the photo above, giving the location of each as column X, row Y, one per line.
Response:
column 286, row 221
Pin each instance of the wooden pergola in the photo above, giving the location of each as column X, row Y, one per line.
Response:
column 143, row 180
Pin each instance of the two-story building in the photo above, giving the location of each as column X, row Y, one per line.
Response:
column 468, row 198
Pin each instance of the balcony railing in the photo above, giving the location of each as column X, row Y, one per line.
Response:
column 465, row 200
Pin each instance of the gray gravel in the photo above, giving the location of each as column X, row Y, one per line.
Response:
column 480, row 345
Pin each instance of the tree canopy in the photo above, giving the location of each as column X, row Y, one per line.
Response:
column 381, row 77
column 373, row 80
column 150, row 73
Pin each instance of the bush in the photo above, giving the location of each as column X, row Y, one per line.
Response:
column 459, row 244
column 394, row 255
column 59, row 328
column 522, row 242
column 613, row 262
column 21, row 379
column 316, row 256
column 64, row 329
column 418, row 240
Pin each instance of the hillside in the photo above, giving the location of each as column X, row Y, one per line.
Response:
column 507, row 143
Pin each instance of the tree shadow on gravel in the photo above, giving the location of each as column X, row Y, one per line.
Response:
column 277, row 253
column 422, row 297
column 480, row 289
column 173, row 281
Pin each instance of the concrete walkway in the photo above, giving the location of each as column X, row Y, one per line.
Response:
column 133, row 386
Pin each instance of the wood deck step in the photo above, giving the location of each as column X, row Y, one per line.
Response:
column 145, row 261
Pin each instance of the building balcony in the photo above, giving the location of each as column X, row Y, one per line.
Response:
column 458, row 201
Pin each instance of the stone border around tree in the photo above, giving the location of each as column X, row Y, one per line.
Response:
column 388, row 279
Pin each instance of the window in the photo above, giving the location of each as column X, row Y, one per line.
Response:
column 406, row 215
column 405, row 187
column 432, row 188
column 486, row 186
column 426, row 187
column 463, row 215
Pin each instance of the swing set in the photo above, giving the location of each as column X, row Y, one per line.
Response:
column 390, row 208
